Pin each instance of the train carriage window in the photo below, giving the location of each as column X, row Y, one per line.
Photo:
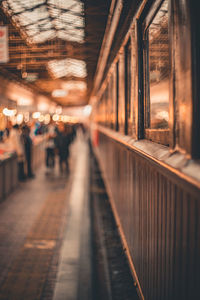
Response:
column 127, row 85
column 117, row 96
column 104, row 108
column 111, row 102
column 107, row 108
column 156, row 73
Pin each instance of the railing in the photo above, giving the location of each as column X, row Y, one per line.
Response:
column 158, row 213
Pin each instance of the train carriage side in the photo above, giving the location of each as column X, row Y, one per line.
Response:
column 146, row 114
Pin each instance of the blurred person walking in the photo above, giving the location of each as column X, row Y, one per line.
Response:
column 50, row 145
column 7, row 130
column 28, row 144
column 63, row 140
column 17, row 145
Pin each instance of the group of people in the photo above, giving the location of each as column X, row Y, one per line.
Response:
column 21, row 142
column 57, row 137
column 58, row 140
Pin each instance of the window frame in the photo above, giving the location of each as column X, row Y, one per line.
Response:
column 116, row 93
column 157, row 135
column 128, row 84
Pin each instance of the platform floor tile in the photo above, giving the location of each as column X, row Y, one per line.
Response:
column 27, row 275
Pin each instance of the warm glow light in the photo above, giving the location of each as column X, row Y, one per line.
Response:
column 43, row 106
column 55, row 118
column 52, row 108
column 47, row 119
column 87, row 110
column 41, row 118
column 20, row 118
column 59, row 93
column 24, row 102
column 9, row 112
column 65, row 119
column 74, row 85
column 69, row 119
column 26, row 117
column 36, row 115
column 58, row 110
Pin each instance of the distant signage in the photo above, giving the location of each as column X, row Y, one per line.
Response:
column 4, row 44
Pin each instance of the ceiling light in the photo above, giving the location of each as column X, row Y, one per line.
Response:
column 9, row 112
column 20, row 118
column 74, row 85
column 68, row 67
column 59, row 93
column 47, row 119
column 36, row 115
column 24, row 102
column 55, row 118
column 87, row 110
column 31, row 77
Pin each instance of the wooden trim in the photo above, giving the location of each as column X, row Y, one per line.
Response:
column 172, row 104
column 117, row 94
column 183, row 60
column 160, row 136
column 120, row 228
column 129, row 143
column 140, row 73
column 161, row 212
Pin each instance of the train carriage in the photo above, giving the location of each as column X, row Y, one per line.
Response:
column 146, row 102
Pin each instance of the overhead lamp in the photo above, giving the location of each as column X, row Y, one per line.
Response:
column 20, row 118
column 47, row 119
column 9, row 112
column 55, row 118
column 74, row 85
column 36, row 115
column 67, row 67
column 59, row 93
column 24, row 101
column 87, row 110
column 31, row 77
column 41, row 118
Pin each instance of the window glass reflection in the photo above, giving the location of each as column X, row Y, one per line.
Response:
column 158, row 55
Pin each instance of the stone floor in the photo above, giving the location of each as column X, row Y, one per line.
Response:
column 40, row 233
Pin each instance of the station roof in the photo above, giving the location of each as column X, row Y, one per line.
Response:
column 54, row 45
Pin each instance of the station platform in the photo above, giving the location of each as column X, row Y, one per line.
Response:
column 52, row 243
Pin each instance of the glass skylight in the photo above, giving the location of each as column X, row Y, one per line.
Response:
column 43, row 20
column 68, row 67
